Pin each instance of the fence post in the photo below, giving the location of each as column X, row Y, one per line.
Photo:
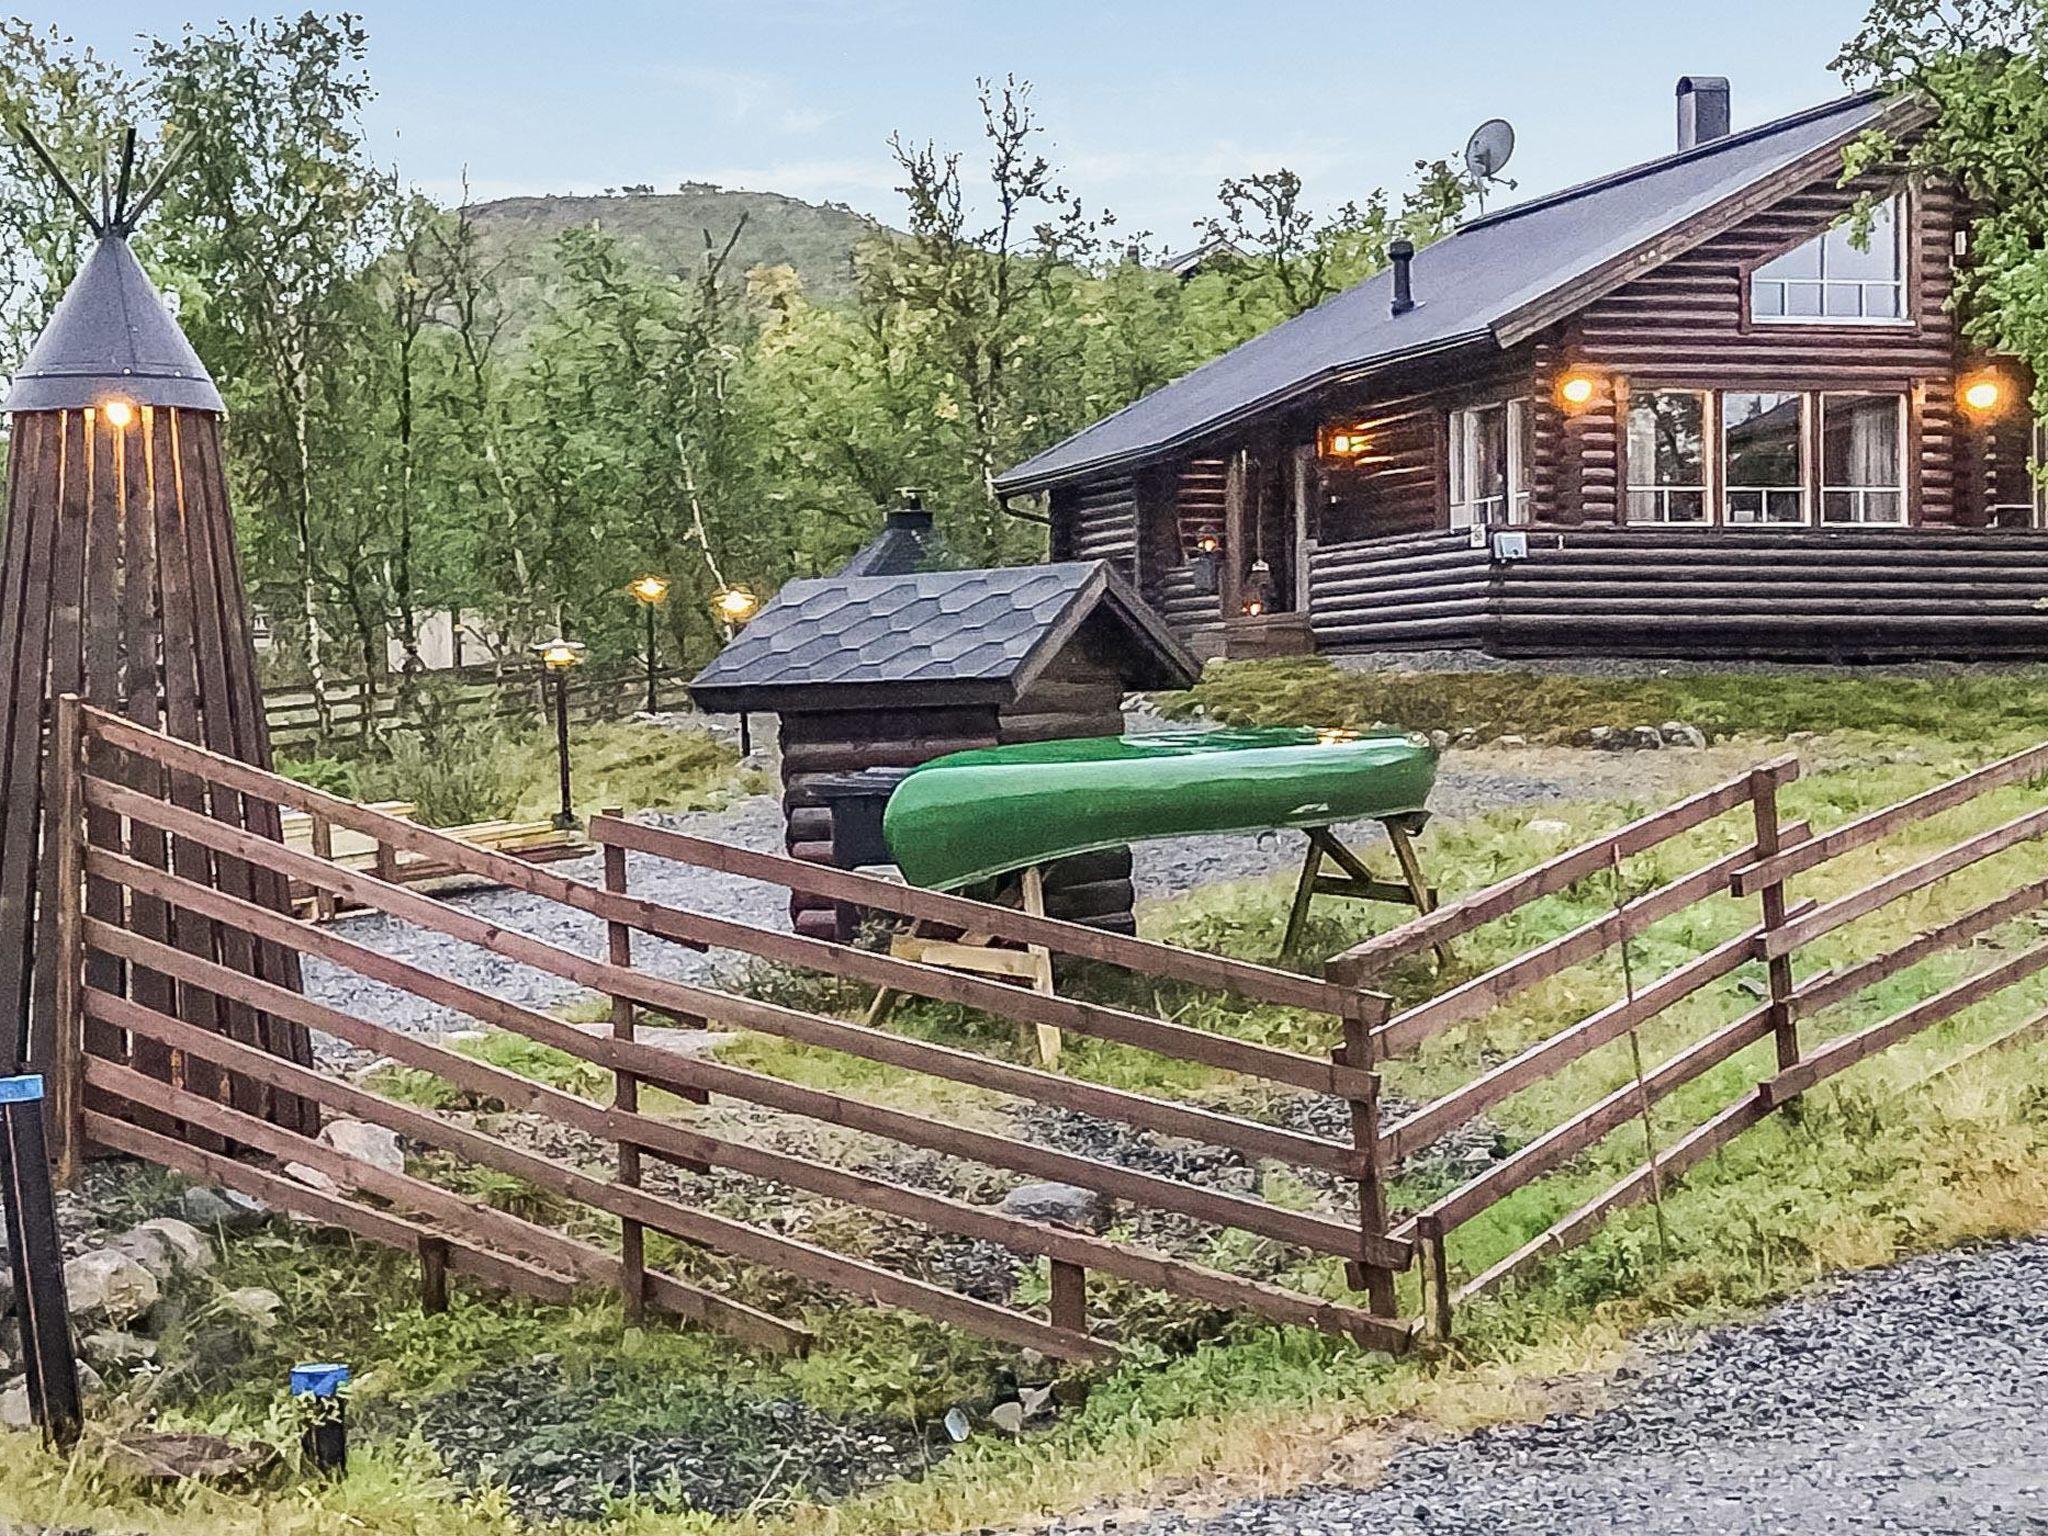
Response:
column 65, row 1112
column 37, row 1260
column 1763, row 795
column 433, row 1275
column 324, row 903
column 1436, row 1275
column 1361, row 1011
column 626, row 1097
column 1069, row 1308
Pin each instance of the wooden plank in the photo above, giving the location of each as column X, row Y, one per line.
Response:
column 1145, row 956
column 1558, row 1146
column 854, row 1039
column 1504, row 896
column 1443, row 1115
column 1486, row 991
column 1694, row 1147
column 722, row 1234
column 2019, row 767
column 652, row 1064
column 65, row 1068
column 1844, row 910
column 292, row 1198
column 455, row 1218
column 1845, row 1051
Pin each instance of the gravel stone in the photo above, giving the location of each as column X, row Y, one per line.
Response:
column 1902, row 1399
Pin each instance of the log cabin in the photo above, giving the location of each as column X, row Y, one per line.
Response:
column 1690, row 408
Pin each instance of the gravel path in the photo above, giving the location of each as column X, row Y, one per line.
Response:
column 1905, row 1399
column 1469, row 783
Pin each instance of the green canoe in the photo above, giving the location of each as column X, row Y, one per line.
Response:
column 973, row 815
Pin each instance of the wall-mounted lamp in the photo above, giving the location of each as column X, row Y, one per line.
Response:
column 118, row 413
column 1203, row 562
column 1983, row 394
column 1343, row 442
column 1577, row 388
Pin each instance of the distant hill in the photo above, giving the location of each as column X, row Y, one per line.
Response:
column 667, row 228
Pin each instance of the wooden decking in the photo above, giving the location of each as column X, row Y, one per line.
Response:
column 1788, row 594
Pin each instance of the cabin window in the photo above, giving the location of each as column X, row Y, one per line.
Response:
column 1829, row 280
column 1763, row 465
column 1489, row 469
column 1667, row 457
column 1862, row 466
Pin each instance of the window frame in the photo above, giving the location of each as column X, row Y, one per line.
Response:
column 1725, row 486
column 1515, row 501
column 1908, row 318
column 1710, row 461
column 1899, row 488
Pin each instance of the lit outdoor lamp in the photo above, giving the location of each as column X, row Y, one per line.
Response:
column 1983, row 394
column 733, row 606
column 118, row 413
column 561, row 657
column 1202, row 564
column 650, row 590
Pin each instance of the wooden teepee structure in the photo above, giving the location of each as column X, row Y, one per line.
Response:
column 120, row 582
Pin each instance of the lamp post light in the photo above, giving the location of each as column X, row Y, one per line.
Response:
column 650, row 590
column 732, row 607
column 561, row 657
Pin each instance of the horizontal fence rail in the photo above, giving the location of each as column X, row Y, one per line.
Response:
column 468, row 694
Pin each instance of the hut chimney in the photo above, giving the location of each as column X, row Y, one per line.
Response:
column 911, row 513
column 1402, row 254
column 120, row 583
column 1702, row 110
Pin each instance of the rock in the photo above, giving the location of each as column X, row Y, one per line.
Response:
column 1677, row 733
column 1511, row 741
column 312, row 1178
column 1644, row 738
column 1008, row 1417
column 1061, row 1204
column 1440, row 739
column 166, row 1247
column 14, row 1412
column 366, row 1143
column 1549, row 829
column 252, row 1304
column 223, row 1210
column 123, row 1351
column 108, row 1284
column 183, row 1458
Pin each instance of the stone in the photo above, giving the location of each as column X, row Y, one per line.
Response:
column 252, row 1304
column 1645, row 738
column 14, row 1411
column 108, row 1284
column 366, row 1143
column 1511, row 740
column 1600, row 736
column 222, row 1210
column 123, row 1351
column 1008, row 1417
column 1440, row 739
column 181, row 1458
column 312, row 1178
column 1677, row 733
column 1063, row 1205
column 1550, row 830
column 166, row 1247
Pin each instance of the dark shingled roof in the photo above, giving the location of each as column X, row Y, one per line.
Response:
column 1471, row 288
column 953, row 636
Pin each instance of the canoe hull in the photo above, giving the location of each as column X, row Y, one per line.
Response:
column 974, row 815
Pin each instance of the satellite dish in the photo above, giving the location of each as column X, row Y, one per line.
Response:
column 1487, row 153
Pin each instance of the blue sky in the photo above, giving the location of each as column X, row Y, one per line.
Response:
column 1149, row 104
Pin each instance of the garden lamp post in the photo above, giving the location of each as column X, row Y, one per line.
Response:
column 733, row 606
column 650, row 591
column 561, row 657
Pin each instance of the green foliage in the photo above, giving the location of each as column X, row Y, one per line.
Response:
column 452, row 778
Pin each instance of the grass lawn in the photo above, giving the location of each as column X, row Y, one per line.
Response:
column 1878, row 1164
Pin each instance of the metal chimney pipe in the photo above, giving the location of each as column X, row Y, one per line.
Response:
column 1402, row 254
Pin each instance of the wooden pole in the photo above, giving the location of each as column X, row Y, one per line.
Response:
column 1357, row 1052
column 1069, row 1295
column 1763, row 791
column 433, row 1275
column 38, row 1260
column 625, row 1097
column 65, row 1072
column 1437, row 1273
column 324, row 904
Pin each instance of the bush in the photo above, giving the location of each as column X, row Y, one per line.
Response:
column 452, row 776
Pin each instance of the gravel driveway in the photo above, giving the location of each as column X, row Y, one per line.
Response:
column 1913, row 1398
column 1468, row 783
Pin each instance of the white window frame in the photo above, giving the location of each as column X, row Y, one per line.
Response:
column 1723, row 507
column 1861, row 493
column 1469, row 511
column 1709, row 457
column 1901, row 284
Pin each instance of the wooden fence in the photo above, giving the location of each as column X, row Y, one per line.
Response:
column 169, row 1075
column 473, row 693
column 170, row 1059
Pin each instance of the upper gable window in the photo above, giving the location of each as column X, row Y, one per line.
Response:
column 1830, row 281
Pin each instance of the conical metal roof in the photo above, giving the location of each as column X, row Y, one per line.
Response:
column 112, row 336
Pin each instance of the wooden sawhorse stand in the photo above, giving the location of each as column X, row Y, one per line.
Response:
column 1357, row 881
column 977, row 953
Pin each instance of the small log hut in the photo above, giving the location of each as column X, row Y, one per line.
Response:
column 891, row 671
column 120, row 583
